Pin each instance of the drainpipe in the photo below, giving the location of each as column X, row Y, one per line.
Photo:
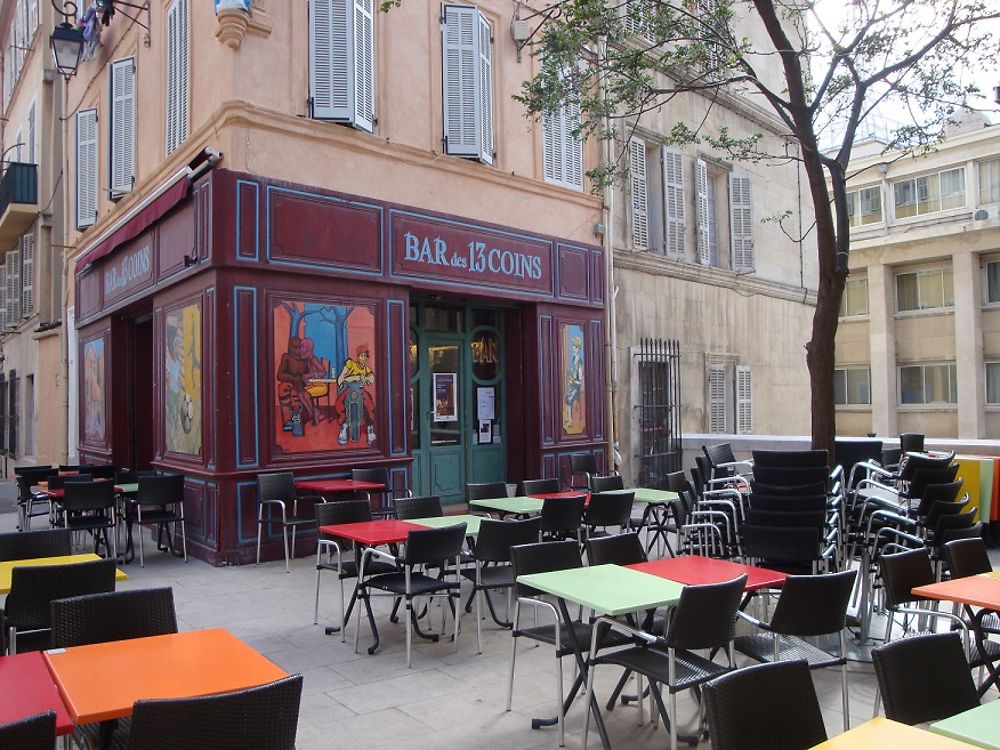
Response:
column 610, row 334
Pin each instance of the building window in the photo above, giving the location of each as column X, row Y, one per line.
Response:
column 852, row 386
column 658, row 199
column 928, row 384
column 467, row 56
column 562, row 148
column 730, row 399
column 639, row 188
column 86, row 168
column 989, row 181
column 28, row 274
column 725, row 217
column 864, row 206
column 12, row 414
column 993, row 382
column 656, row 410
column 342, row 62
column 993, row 281
column 855, row 299
column 122, row 144
column 177, row 74
column 13, row 288
column 933, row 192
column 928, row 289
column 29, row 415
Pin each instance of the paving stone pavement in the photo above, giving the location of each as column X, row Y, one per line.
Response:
column 446, row 700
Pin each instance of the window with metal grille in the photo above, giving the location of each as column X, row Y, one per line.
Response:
column 657, row 417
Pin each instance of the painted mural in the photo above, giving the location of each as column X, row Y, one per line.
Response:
column 324, row 357
column 93, row 391
column 574, row 403
column 182, row 334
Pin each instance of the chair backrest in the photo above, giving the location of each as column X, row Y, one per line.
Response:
column 88, row 496
column 941, row 508
column 114, row 616
column 59, row 481
column 32, row 589
column 902, row 571
column 846, row 453
column 485, row 490
column 779, row 545
column 610, row 482
column 161, row 490
column 791, row 476
column 28, row 476
column 537, row 486
column 719, row 453
column 36, row 732
column 700, row 473
column 706, row 615
column 891, row 457
column 276, row 486
column 791, row 459
column 264, row 717
column 562, row 513
column 543, row 557
column 967, row 557
column 497, row 537
column 428, row 506
column 104, row 471
column 618, row 549
column 957, row 526
column 377, row 475
column 813, row 605
column 343, row 511
column 675, row 481
column 583, row 463
column 770, row 706
column 609, row 509
column 71, row 467
column 911, row 442
column 922, row 477
column 789, row 503
column 910, row 462
column 932, row 493
column 775, row 490
column 23, row 545
column 924, row 678
column 786, row 518
column 434, row 545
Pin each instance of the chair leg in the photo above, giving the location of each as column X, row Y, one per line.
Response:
column 343, row 621
column 672, row 672
column 456, row 613
column 559, row 700
column 479, row 621
column 409, row 631
column 184, row 539
column 142, row 559
column 843, row 681
column 284, row 538
column 294, row 529
column 316, row 605
column 513, row 655
column 260, row 532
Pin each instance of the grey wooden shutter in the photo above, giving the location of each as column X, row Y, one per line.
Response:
column 28, row 274
column 13, row 288
column 703, row 212
column 562, row 153
column 177, row 74
column 717, row 399
column 744, row 400
column 573, row 147
column 741, row 221
column 86, row 167
column 673, row 202
column 3, row 296
column 553, row 126
column 122, row 125
column 485, row 93
column 330, row 61
column 463, row 59
column 364, row 65
column 637, row 183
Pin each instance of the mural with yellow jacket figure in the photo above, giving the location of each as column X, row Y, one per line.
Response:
column 183, row 379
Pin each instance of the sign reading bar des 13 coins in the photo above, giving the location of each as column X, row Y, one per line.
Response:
column 439, row 250
column 128, row 270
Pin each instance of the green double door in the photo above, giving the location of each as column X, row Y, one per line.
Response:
column 456, row 398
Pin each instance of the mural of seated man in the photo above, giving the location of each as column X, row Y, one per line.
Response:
column 355, row 404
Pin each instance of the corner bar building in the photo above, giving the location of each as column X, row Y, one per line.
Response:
column 235, row 325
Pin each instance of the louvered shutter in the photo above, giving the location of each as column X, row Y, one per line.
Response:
column 13, row 288
column 32, row 18
column 28, row 274
column 177, row 74
column 717, row 399
column 553, row 125
column 17, row 40
column 467, row 83
column 673, row 202
column 329, row 60
column 122, row 125
column 572, row 147
column 637, row 183
column 3, row 296
column 744, row 401
column 364, row 65
column 485, row 93
column 703, row 212
column 741, row 221
column 86, row 168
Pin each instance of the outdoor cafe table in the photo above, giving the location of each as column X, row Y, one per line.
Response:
column 8, row 565
column 28, row 689
column 695, row 570
column 972, row 591
column 979, row 726
column 610, row 590
column 326, row 487
column 514, row 506
column 439, row 522
column 881, row 733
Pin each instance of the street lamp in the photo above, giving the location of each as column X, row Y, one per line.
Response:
column 66, row 41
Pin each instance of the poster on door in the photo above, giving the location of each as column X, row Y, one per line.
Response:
column 445, row 401
column 574, row 403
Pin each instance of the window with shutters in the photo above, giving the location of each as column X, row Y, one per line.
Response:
column 740, row 222
column 12, row 414
column 342, row 62
column 639, row 18
column 724, row 215
column 562, row 150
column 28, row 274
column 638, row 189
column 3, row 296
column 13, row 288
column 86, row 167
column 728, row 396
column 663, row 199
column 674, row 203
column 122, row 140
column 177, row 74
column 744, row 401
column 467, row 58
column 3, row 413
column 29, row 415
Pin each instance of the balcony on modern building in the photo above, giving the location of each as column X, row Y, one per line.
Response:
column 18, row 201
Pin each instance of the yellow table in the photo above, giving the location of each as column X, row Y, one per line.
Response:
column 881, row 734
column 7, row 566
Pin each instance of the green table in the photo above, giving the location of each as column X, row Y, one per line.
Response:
column 518, row 506
column 607, row 589
column 647, row 495
column 129, row 488
column 978, row 726
column 439, row 522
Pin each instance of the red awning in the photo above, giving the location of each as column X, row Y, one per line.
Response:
column 136, row 224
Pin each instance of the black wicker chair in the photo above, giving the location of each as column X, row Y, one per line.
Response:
column 795, row 459
column 771, row 706
column 387, row 498
column 924, row 678
column 114, row 616
column 264, row 718
column 582, row 464
column 90, row 506
column 963, row 557
column 159, row 502
column 608, row 509
column 428, row 506
column 493, row 569
column 617, row 549
column 278, row 491
column 562, row 516
column 604, row 484
column 911, row 442
column 529, row 487
column 27, row 612
column 27, row 477
column 808, row 606
column 31, row 733
column 24, row 545
column 485, row 490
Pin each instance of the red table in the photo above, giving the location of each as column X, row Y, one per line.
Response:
column 332, row 486
column 692, row 570
column 58, row 494
column 28, row 689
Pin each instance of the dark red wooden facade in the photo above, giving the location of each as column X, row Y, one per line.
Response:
column 236, row 247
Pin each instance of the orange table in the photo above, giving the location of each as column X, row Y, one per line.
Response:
column 881, row 733
column 101, row 681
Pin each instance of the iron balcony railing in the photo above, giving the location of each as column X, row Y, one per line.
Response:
column 19, row 184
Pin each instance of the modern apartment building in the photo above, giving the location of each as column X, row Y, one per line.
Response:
column 33, row 388
column 918, row 349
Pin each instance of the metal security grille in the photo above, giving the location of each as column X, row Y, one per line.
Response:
column 658, row 412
